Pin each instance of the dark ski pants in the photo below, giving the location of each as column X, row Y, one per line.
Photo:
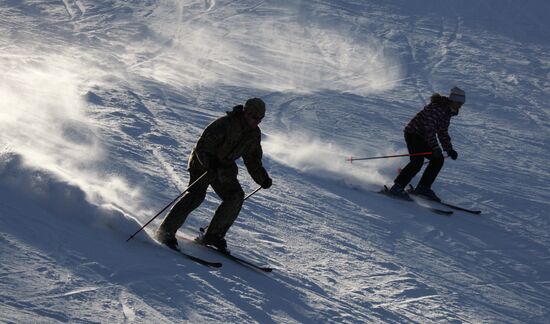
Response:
column 230, row 192
column 416, row 144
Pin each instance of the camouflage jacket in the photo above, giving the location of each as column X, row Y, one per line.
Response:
column 225, row 140
column 433, row 120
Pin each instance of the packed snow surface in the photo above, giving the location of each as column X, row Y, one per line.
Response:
column 102, row 101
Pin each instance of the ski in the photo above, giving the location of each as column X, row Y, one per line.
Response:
column 466, row 210
column 385, row 191
column 240, row 260
column 230, row 256
column 199, row 260
column 196, row 259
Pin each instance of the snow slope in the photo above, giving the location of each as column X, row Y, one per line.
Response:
column 101, row 102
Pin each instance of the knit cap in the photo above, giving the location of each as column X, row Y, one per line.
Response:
column 457, row 95
column 255, row 106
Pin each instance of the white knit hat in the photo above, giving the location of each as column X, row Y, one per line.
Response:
column 457, row 95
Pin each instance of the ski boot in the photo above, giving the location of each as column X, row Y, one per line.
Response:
column 215, row 241
column 426, row 193
column 398, row 191
column 167, row 239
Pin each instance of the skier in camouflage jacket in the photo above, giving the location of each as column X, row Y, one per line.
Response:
column 224, row 141
column 421, row 135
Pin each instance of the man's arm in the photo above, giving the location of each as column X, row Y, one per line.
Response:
column 253, row 161
column 210, row 140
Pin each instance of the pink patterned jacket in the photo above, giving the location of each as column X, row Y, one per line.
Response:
column 433, row 120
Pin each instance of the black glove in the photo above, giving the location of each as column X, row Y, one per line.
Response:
column 267, row 183
column 436, row 153
column 452, row 154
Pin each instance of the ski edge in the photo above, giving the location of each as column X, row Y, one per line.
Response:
column 199, row 260
column 191, row 257
column 229, row 256
column 240, row 260
column 438, row 211
column 471, row 211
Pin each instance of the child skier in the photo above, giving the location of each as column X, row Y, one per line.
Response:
column 421, row 135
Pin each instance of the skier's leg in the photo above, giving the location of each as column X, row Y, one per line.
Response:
column 232, row 196
column 185, row 205
column 431, row 172
column 415, row 144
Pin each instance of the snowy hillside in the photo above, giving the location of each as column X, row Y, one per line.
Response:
column 102, row 101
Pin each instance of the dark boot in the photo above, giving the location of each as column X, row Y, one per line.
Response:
column 398, row 191
column 167, row 238
column 216, row 241
column 426, row 193
column 166, row 234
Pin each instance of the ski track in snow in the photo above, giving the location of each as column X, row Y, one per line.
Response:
column 101, row 103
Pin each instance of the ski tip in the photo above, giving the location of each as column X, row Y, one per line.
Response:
column 475, row 212
column 442, row 212
column 202, row 261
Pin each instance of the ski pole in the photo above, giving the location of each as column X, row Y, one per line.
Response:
column 160, row 212
column 253, row 192
column 351, row 159
column 401, row 169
